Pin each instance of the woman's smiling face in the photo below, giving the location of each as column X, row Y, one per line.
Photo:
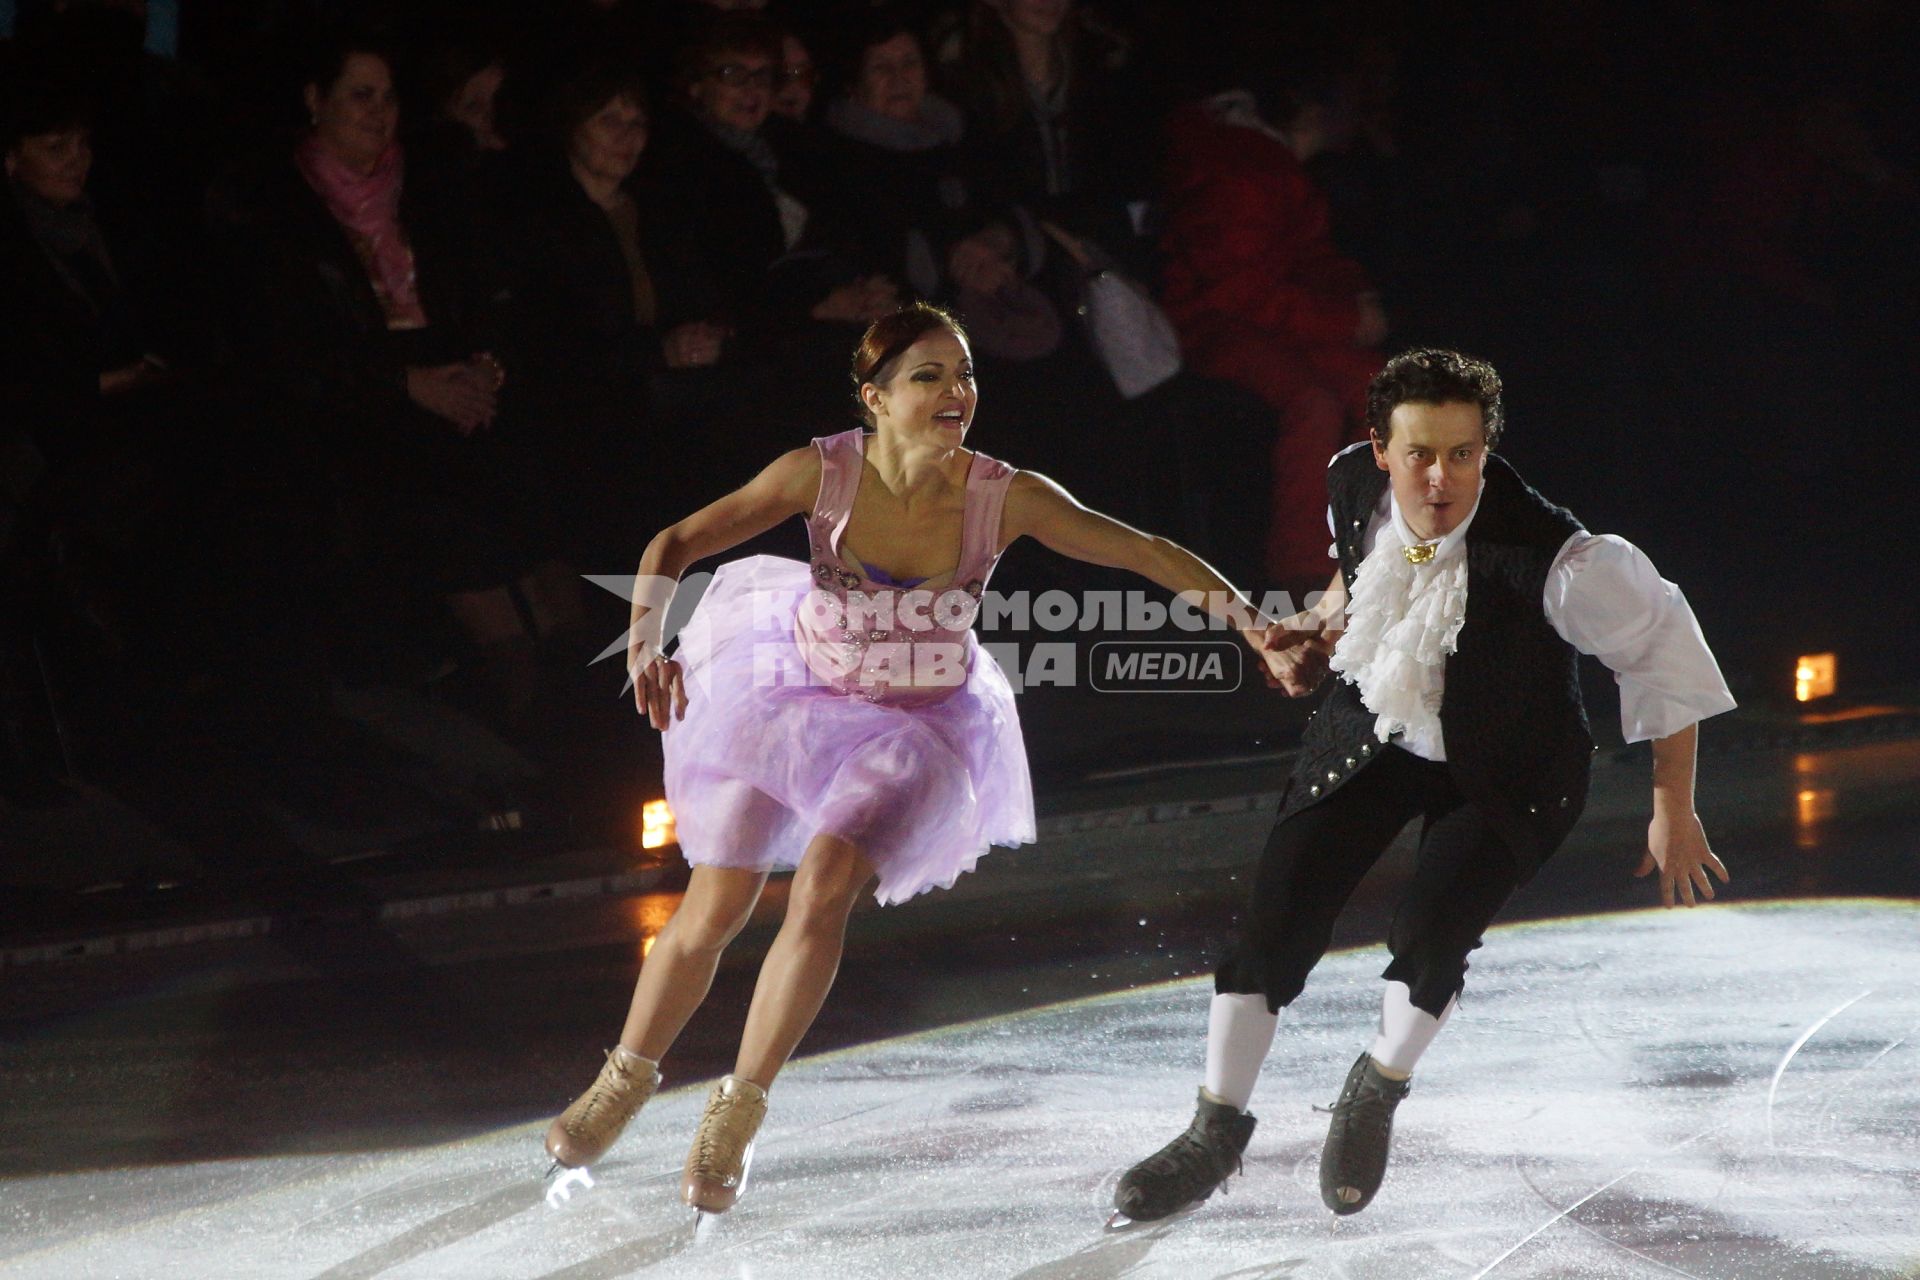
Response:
column 932, row 394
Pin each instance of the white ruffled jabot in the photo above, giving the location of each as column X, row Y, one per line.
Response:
column 1402, row 621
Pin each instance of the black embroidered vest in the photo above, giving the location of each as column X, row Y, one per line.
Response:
column 1515, row 730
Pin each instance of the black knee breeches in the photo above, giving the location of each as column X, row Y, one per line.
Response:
column 1315, row 859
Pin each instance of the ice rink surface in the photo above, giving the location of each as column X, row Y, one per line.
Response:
column 1730, row 1093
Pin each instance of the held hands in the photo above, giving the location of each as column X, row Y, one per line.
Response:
column 1295, row 651
column 1677, row 846
column 657, row 685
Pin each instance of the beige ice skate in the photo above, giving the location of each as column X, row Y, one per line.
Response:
column 722, row 1149
column 582, row 1133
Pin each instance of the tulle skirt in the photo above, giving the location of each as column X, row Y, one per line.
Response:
column 766, row 758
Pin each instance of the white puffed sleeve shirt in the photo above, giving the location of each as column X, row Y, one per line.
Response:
column 1604, row 597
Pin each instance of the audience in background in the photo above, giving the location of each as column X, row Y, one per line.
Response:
column 1262, row 295
column 922, row 210
column 99, row 375
column 1055, row 122
column 796, row 79
column 361, row 308
column 596, row 310
column 368, row 398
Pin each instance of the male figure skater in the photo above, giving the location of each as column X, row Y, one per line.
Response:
column 1468, row 598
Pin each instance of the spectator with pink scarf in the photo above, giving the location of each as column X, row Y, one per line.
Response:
column 360, row 309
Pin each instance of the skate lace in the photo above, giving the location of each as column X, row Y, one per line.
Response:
column 725, row 1130
column 1365, row 1104
column 612, row 1091
column 1190, row 1152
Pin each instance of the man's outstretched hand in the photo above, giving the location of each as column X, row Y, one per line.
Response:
column 1677, row 847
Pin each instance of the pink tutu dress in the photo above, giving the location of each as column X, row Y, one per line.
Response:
column 821, row 699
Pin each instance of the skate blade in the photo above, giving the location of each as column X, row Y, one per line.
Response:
column 1119, row 1223
column 706, row 1221
column 561, row 1189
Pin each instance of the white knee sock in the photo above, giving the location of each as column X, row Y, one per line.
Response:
column 1405, row 1031
column 1239, row 1033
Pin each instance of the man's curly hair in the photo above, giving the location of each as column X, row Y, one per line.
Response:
column 1434, row 375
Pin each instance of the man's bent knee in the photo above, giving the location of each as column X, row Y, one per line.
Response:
column 1431, row 981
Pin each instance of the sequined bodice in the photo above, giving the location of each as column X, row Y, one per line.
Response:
column 885, row 643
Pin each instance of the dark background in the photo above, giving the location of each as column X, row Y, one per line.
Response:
column 1683, row 232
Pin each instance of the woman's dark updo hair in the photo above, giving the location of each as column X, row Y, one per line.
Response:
column 1434, row 375
column 887, row 339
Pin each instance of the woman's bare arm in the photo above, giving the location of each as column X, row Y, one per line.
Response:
column 785, row 488
column 1040, row 509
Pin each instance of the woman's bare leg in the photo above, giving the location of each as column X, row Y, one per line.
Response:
column 679, row 970
column 801, row 965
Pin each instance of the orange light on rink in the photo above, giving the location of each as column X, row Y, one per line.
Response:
column 657, row 829
column 1813, row 677
column 650, row 913
column 1812, row 808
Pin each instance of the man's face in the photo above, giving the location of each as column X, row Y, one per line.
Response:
column 54, row 166
column 737, row 90
column 1435, row 454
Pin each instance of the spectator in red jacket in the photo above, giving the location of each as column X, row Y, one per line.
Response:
column 1262, row 298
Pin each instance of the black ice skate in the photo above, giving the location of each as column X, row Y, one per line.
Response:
column 1188, row 1169
column 1355, row 1158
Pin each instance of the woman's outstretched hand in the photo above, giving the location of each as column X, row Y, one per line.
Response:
column 658, row 688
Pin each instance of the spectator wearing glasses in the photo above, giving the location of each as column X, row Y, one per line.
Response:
column 812, row 163
column 786, row 280
column 904, row 140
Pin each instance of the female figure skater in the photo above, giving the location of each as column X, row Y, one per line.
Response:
column 838, row 716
